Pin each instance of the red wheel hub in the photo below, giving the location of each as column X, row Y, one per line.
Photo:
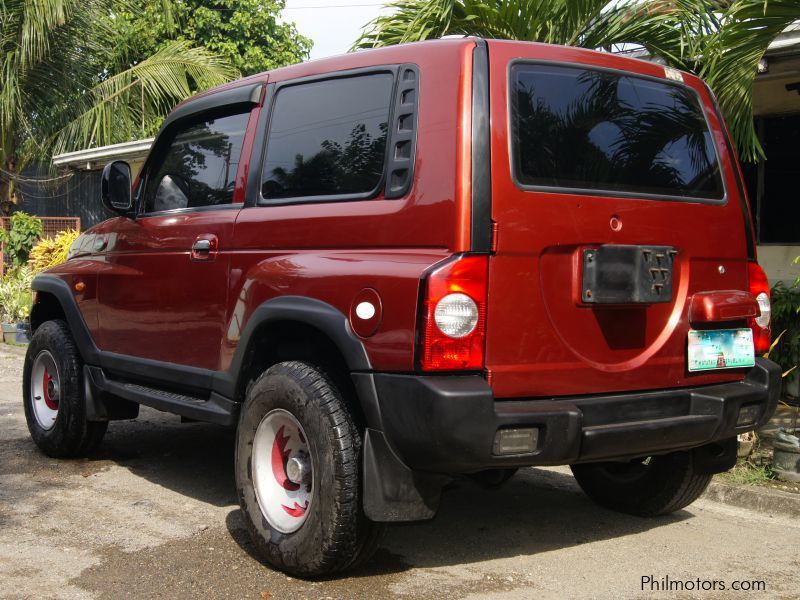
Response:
column 49, row 391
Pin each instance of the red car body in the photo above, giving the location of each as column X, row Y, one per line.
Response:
column 599, row 381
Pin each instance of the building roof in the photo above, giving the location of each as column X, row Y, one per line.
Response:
column 788, row 39
column 96, row 158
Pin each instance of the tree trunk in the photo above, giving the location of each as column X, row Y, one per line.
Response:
column 7, row 196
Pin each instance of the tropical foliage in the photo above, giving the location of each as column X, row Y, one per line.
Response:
column 51, row 251
column 15, row 295
column 82, row 73
column 720, row 41
column 20, row 238
column 67, row 83
column 785, row 349
column 246, row 33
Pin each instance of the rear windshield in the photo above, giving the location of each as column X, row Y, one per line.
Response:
column 609, row 132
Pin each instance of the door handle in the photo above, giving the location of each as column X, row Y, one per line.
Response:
column 204, row 248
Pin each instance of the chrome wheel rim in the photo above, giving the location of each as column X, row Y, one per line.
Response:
column 45, row 390
column 283, row 474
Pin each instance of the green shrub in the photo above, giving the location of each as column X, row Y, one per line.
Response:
column 15, row 295
column 18, row 241
column 786, row 324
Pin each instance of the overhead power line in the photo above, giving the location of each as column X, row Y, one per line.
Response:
column 315, row 7
column 336, row 6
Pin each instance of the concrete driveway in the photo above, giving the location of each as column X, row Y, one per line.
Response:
column 154, row 515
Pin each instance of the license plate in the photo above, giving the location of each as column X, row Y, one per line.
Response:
column 721, row 349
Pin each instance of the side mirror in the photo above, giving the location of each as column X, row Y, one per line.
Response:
column 115, row 187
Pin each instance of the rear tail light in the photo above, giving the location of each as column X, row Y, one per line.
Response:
column 759, row 287
column 453, row 315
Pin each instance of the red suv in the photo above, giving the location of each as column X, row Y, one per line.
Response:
column 386, row 269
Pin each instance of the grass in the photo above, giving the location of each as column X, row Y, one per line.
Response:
column 748, row 473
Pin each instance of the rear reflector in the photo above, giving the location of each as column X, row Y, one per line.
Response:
column 748, row 414
column 759, row 286
column 515, row 441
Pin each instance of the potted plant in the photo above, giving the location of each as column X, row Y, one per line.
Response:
column 786, row 452
column 15, row 304
column 15, row 285
column 785, row 350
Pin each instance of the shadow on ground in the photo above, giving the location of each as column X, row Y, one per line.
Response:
column 536, row 512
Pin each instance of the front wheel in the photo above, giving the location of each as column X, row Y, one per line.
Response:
column 298, row 474
column 647, row 487
column 52, row 388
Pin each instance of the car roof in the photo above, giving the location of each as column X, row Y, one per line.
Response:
column 402, row 53
column 416, row 51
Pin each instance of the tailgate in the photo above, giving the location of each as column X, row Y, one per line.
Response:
column 618, row 163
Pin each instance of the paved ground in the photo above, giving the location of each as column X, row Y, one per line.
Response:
column 154, row 515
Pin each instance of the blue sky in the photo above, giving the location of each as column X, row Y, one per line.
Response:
column 333, row 24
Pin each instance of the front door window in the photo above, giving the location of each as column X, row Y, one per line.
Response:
column 198, row 167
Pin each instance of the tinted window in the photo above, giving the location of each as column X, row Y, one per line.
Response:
column 199, row 165
column 596, row 130
column 328, row 138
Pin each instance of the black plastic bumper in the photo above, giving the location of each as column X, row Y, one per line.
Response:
column 447, row 424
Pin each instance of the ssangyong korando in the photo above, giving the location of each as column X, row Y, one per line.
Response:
column 386, row 269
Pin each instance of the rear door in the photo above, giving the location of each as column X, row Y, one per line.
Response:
column 592, row 150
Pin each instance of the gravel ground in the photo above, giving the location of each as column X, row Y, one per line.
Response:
column 153, row 515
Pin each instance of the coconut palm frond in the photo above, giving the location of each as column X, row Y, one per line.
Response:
column 731, row 59
column 410, row 21
column 721, row 41
column 123, row 105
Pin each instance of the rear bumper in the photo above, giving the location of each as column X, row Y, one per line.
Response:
column 447, row 424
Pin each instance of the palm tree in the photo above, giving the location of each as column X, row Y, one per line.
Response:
column 65, row 81
column 722, row 41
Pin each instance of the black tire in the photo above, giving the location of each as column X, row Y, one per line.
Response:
column 335, row 534
column 70, row 435
column 646, row 487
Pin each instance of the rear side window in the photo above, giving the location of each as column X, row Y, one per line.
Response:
column 198, row 168
column 328, row 138
column 609, row 132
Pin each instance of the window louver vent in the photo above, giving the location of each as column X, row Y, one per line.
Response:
column 403, row 136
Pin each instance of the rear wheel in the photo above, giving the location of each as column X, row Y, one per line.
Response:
column 298, row 474
column 53, row 396
column 647, row 487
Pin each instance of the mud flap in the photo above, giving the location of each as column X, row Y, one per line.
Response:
column 392, row 491
column 100, row 406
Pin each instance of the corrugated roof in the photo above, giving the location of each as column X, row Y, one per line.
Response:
column 92, row 158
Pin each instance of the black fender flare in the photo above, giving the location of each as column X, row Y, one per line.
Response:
column 392, row 491
column 58, row 288
column 299, row 309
